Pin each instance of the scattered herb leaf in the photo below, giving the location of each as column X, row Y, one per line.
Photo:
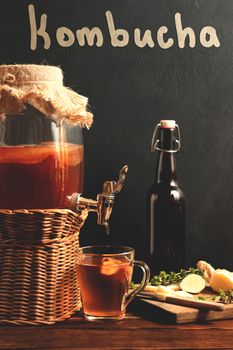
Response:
column 164, row 278
column 226, row 297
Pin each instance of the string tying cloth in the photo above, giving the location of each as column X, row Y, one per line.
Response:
column 42, row 87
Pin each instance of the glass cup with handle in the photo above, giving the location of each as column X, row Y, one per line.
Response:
column 105, row 274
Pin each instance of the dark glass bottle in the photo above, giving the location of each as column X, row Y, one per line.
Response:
column 166, row 205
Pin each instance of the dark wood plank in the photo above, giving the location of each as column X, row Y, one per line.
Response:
column 172, row 313
column 132, row 333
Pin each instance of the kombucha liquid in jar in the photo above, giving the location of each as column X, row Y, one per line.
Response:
column 41, row 161
column 166, row 205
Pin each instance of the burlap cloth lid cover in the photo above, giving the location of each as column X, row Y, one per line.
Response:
column 42, row 87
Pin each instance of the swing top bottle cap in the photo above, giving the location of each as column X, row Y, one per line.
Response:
column 168, row 124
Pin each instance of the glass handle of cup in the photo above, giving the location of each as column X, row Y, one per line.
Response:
column 144, row 282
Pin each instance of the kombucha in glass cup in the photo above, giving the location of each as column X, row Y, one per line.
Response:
column 105, row 274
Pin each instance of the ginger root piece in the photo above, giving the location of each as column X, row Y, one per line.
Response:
column 221, row 280
column 206, row 269
column 192, row 283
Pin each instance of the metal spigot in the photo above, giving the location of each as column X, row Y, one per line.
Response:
column 104, row 203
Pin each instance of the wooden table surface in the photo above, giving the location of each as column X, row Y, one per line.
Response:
column 134, row 332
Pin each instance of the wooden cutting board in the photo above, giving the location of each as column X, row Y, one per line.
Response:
column 169, row 313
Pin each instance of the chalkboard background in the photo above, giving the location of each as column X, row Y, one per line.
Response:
column 130, row 89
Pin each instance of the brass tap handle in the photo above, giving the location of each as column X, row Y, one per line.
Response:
column 105, row 200
column 111, row 187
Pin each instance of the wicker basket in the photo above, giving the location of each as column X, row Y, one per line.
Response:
column 38, row 273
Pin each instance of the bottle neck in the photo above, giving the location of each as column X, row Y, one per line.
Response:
column 166, row 166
